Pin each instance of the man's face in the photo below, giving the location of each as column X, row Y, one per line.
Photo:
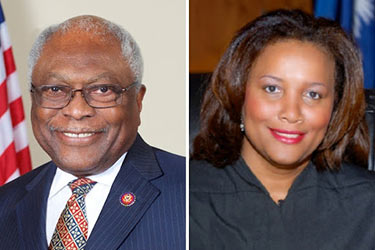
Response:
column 80, row 139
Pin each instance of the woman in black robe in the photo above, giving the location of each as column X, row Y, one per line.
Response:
column 280, row 158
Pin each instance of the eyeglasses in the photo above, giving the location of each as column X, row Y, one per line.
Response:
column 96, row 96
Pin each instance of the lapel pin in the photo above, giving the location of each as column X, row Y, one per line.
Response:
column 127, row 199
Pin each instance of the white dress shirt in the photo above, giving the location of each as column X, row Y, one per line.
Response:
column 60, row 193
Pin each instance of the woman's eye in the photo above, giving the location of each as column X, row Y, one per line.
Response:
column 271, row 89
column 313, row 95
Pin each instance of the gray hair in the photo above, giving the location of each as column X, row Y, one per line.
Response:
column 97, row 26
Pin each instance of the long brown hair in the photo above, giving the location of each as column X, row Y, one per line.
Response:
column 219, row 140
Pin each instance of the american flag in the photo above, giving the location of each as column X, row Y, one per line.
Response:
column 14, row 149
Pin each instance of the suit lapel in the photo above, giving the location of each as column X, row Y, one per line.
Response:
column 116, row 221
column 31, row 210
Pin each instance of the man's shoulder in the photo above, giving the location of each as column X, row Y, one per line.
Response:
column 169, row 158
column 13, row 191
column 170, row 163
column 20, row 182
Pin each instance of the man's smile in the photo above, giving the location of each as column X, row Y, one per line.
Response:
column 78, row 135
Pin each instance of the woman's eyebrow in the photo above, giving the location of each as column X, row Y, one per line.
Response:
column 280, row 80
column 319, row 84
column 272, row 77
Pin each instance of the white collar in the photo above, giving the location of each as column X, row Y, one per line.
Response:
column 107, row 177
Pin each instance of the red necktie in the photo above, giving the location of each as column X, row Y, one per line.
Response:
column 71, row 229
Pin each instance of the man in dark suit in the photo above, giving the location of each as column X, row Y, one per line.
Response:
column 105, row 188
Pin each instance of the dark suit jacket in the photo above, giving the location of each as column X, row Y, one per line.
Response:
column 155, row 221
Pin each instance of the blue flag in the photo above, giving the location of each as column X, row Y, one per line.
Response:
column 357, row 17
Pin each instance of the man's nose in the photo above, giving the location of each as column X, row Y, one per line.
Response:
column 78, row 108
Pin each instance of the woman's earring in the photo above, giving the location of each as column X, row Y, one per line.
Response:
column 242, row 126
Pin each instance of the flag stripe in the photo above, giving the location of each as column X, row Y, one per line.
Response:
column 16, row 111
column 15, row 174
column 14, row 150
column 24, row 160
column 8, row 162
column 10, row 67
column 5, row 39
column 2, row 68
column 20, row 136
column 14, row 91
column 3, row 98
column 6, row 131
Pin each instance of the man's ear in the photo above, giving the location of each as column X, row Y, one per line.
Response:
column 141, row 93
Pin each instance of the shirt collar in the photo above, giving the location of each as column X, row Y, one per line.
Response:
column 107, row 177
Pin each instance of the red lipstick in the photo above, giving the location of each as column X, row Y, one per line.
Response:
column 287, row 137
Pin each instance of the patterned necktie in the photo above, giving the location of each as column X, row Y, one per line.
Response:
column 71, row 229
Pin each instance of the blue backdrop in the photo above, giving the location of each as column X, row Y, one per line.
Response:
column 357, row 17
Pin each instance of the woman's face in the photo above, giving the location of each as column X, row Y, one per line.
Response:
column 288, row 104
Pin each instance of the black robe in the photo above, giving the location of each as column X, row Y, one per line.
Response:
column 329, row 210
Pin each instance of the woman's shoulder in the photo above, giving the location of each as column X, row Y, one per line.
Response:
column 205, row 177
column 351, row 176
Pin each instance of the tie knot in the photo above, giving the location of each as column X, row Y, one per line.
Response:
column 81, row 186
